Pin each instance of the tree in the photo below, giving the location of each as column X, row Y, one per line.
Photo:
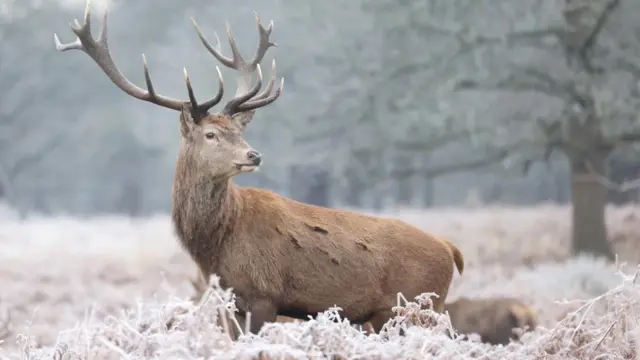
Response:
column 624, row 167
column 21, row 148
column 310, row 184
column 598, row 111
column 384, row 107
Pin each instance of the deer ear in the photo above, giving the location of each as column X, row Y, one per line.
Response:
column 243, row 118
column 186, row 120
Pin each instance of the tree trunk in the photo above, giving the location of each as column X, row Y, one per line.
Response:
column 353, row 196
column 377, row 202
column 309, row 184
column 6, row 192
column 427, row 192
column 589, row 200
column 403, row 187
column 563, row 186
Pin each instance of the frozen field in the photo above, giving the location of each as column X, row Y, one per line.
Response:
column 111, row 288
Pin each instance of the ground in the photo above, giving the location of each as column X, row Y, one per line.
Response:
column 112, row 287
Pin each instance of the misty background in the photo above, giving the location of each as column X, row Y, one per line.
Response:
column 386, row 103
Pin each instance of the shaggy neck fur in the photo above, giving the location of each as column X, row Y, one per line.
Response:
column 205, row 211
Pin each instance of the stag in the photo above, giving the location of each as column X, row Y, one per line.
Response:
column 280, row 256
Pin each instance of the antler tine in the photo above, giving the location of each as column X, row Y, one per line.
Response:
column 98, row 50
column 238, row 60
column 215, row 51
column 265, row 93
column 232, row 106
column 258, row 103
column 263, row 42
column 192, row 96
column 147, row 77
column 245, row 92
column 200, row 109
column 76, row 28
column 213, row 102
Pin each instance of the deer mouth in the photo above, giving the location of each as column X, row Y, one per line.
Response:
column 247, row 167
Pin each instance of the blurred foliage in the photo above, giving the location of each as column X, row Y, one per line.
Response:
column 370, row 97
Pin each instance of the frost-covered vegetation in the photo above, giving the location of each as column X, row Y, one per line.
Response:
column 113, row 287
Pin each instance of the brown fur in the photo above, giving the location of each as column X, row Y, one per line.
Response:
column 200, row 285
column 493, row 319
column 458, row 259
column 289, row 258
column 281, row 256
column 306, row 258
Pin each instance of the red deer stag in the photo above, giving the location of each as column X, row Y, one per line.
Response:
column 280, row 256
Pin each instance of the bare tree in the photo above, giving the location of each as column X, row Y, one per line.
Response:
column 598, row 112
column 385, row 105
column 6, row 189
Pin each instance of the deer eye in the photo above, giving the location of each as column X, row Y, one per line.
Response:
column 210, row 136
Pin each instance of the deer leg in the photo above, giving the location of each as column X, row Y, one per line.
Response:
column 262, row 310
column 438, row 302
column 368, row 328
column 380, row 318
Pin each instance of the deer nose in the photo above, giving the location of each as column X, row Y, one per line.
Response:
column 254, row 157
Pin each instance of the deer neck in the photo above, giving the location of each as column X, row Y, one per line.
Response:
column 204, row 214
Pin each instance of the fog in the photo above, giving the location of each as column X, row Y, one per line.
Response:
column 386, row 104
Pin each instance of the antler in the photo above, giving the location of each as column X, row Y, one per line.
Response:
column 98, row 50
column 245, row 99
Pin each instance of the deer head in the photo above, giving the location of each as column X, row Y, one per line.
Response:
column 213, row 140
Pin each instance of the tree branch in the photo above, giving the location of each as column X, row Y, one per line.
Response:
column 468, row 42
column 584, row 23
column 452, row 168
column 469, row 39
column 611, row 185
column 524, row 79
column 623, row 139
column 436, row 141
column 630, row 137
column 537, row 34
column 591, row 38
column 628, row 66
column 28, row 160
